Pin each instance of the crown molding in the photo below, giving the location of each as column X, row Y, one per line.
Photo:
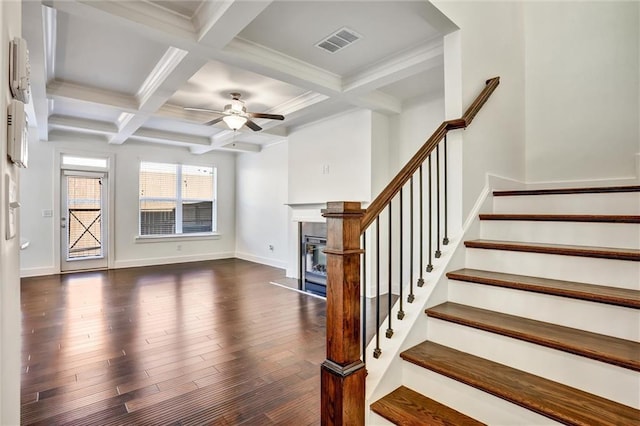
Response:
column 298, row 103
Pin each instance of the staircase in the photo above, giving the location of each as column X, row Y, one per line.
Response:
column 542, row 326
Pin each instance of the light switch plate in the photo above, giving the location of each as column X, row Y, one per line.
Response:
column 11, row 191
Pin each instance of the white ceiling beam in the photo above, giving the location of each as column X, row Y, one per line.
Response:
column 35, row 35
column 218, row 22
column 405, row 64
column 147, row 15
column 144, row 19
column 80, row 93
column 269, row 62
column 82, row 124
column 242, row 147
column 172, row 70
column 50, row 29
column 238, row 52
column 171, row 138
column 165, row 66
column 84, row 138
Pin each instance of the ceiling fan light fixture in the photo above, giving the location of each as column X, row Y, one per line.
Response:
column 234, row 121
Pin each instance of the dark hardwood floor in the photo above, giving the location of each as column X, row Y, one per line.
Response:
column 197, row 343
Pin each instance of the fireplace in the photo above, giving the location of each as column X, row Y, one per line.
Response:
column 313, row 262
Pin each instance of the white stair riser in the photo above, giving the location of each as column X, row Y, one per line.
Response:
column 609, row 272
column 622, row 203
column 599, row 378
column 468, row 400
column 595, row 317
column 620, row 235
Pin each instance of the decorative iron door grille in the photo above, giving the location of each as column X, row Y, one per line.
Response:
column 84, row 212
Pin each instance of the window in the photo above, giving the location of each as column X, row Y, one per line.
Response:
column 177, row 199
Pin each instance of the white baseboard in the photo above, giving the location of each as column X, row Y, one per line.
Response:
column 37, row 272
column 281, row 264
column 170, row 260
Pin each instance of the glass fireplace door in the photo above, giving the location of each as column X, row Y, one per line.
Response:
column 315, row 265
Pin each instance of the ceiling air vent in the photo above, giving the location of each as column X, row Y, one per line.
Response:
column 338, row 40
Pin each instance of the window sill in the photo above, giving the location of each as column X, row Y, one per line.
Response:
column 141, row 239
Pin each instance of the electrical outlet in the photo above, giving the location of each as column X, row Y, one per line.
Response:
column 179, row 247
column 270, row 247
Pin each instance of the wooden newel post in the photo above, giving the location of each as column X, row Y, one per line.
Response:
column 343, row 373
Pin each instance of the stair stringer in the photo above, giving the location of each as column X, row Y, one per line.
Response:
column 385, row 373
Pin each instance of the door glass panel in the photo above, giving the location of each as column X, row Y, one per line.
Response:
column 84, row 213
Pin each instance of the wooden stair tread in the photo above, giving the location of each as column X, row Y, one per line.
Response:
column 551, row 399
column 596, row 293
column 600, row 218
column 560, row 249
column 561, row 191
column 407, row 407
column 612, row 350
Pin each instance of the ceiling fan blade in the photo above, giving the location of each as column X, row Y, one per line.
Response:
column 269, row 116
column 202, row 110
column 253, row 126
column 214, row 121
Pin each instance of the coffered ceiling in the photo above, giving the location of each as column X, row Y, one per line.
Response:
column 121, row 71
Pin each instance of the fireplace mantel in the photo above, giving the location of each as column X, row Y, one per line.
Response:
column 310, row 211
column 307, row 212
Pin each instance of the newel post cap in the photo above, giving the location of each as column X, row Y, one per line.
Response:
column 343, row 208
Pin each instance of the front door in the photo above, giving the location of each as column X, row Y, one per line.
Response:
column 82, row 221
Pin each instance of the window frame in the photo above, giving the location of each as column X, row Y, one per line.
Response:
column 179, row 202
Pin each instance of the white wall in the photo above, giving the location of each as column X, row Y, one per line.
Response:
column 420, row 117
column 10, row 18
column 582, row 82
column 261, row 211
column 490, row 43
column 381, row 152
column 343, row 144
column 38, row 195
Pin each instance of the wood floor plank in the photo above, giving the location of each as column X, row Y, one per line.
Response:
column 157, row 345
column 559, row 402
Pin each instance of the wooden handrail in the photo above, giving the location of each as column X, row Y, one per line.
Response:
column 390, row 191
column 342, row 376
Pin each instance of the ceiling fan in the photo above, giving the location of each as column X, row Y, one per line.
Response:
column 235, row 115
